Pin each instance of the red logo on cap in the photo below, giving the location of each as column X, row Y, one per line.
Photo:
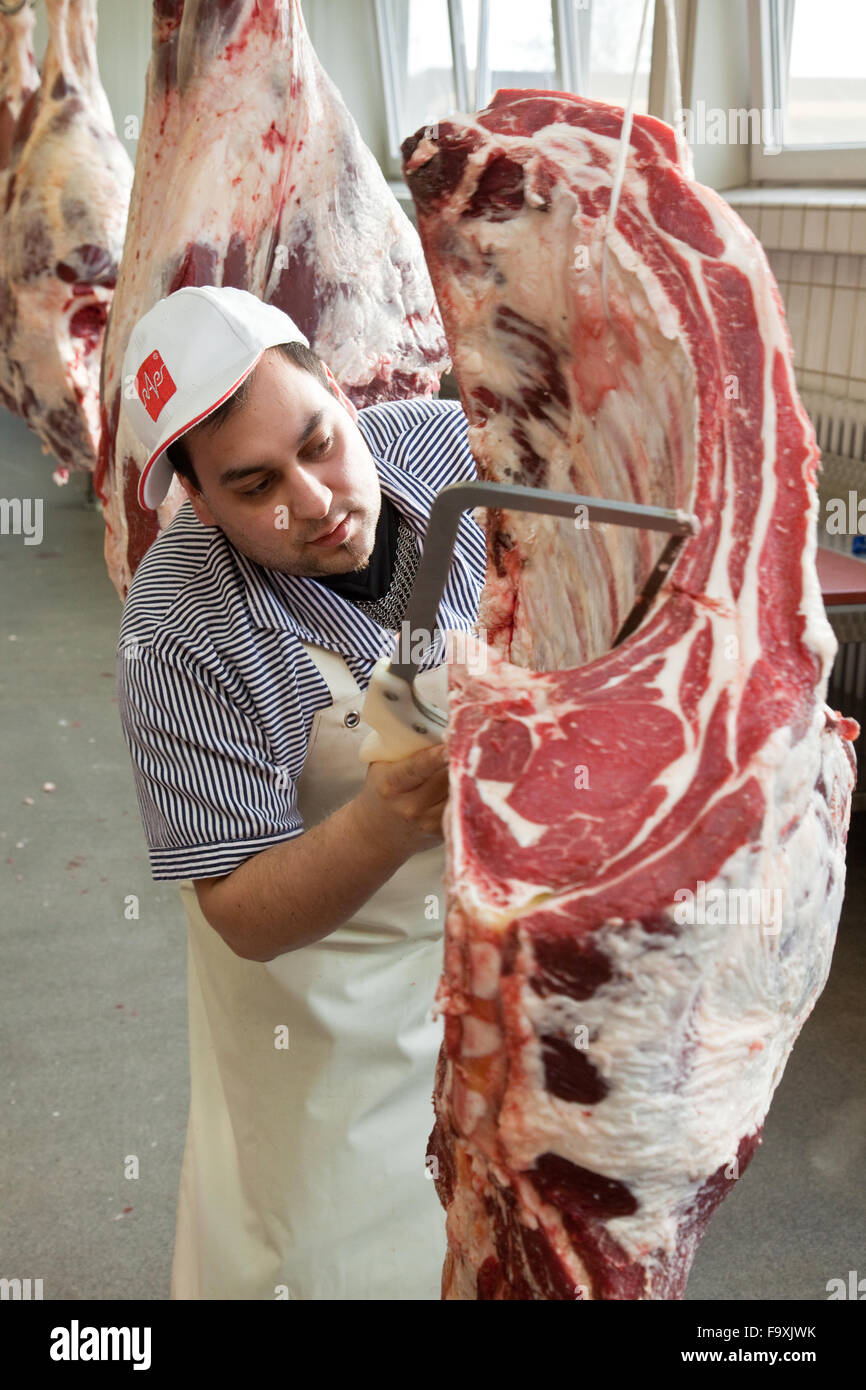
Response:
column 154, row 384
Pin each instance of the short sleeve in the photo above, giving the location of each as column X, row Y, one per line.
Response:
column 209, row 792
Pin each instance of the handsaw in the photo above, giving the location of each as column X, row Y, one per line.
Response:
column 403, row 722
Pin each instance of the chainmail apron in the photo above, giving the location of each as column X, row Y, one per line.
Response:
column 388, row 610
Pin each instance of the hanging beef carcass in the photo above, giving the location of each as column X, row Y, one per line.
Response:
column 19, row 79
column 63, row 221
column 19, row 76
column 252, row 173
column 645, row 843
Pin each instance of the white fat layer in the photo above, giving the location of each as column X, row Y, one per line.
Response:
column 480, row 1038
column 484, row 969
column 547, row 289
column 675, row 779
column 693, row 1029
column 581, row 572
column 494, row 795
column 632, row 424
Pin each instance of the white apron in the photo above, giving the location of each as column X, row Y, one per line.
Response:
column 304, row 1170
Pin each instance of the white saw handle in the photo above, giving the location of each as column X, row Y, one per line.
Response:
column 399, row 727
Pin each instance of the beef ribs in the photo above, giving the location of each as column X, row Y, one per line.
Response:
column 646, row 843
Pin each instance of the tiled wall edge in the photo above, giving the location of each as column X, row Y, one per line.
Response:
column 849, row 196
column 838, row 231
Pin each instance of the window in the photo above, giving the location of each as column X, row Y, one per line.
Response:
column 442, row 56
column 510, row 47
column 613, row 34
column 418, row 68
column 810, row 85
column 826, row 77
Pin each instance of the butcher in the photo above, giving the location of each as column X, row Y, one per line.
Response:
column 312, row 883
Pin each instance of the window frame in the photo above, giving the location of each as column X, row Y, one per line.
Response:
column 790, row 164
column 570, row 21
column 390, row 76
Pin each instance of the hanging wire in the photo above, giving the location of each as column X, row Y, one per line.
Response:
column 622, row 152
column 674, row 89
column 674, row 84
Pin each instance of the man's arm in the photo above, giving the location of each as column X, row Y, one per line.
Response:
column 299, row 891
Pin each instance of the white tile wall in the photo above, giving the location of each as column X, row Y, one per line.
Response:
column 815, row 229
column 813, row 352
column 818, row 256
column 858, row 232
column 847, row 271
column 781, row 263
column 770, row 228
column 858, row 345
column 842, row 310
column 797, row 308
column 791, row 238
column 838, row 229
column 823, row 270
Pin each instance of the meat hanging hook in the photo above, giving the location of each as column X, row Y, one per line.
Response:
column 11, row 7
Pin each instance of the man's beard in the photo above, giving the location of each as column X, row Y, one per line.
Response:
column 307, row 565
column 323, row 571
column 313, row 568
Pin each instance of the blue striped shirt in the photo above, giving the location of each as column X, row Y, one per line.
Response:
column 217, row 695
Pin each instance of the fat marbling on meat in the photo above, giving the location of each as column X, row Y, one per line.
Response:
column 646, row 843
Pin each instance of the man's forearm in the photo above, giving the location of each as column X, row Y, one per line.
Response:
column 301, row 890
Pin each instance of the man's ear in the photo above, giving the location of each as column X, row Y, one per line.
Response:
column 340, row 395
column 199, row 505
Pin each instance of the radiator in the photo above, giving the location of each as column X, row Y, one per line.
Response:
column 841, row 429
column 839, row 424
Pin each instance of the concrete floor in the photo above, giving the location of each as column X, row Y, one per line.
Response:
column 93, row 1037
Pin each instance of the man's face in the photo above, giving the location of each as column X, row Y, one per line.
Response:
column 283, row 471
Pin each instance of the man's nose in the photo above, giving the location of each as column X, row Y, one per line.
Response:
column 309, row 497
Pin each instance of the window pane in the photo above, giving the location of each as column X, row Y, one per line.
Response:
column 521, row 45
column 520, row 51
column 827, row 73
column 614, row 30
column 423, row 64
column 471, row 39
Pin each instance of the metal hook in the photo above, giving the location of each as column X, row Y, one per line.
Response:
column 11, row 7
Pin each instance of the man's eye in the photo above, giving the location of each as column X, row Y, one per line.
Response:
column 317, row 450
column 313, row 451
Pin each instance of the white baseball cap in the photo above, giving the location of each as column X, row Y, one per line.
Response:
column 184, row 358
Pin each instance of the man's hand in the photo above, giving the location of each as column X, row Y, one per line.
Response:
column 298, row 891
column 405, row 800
